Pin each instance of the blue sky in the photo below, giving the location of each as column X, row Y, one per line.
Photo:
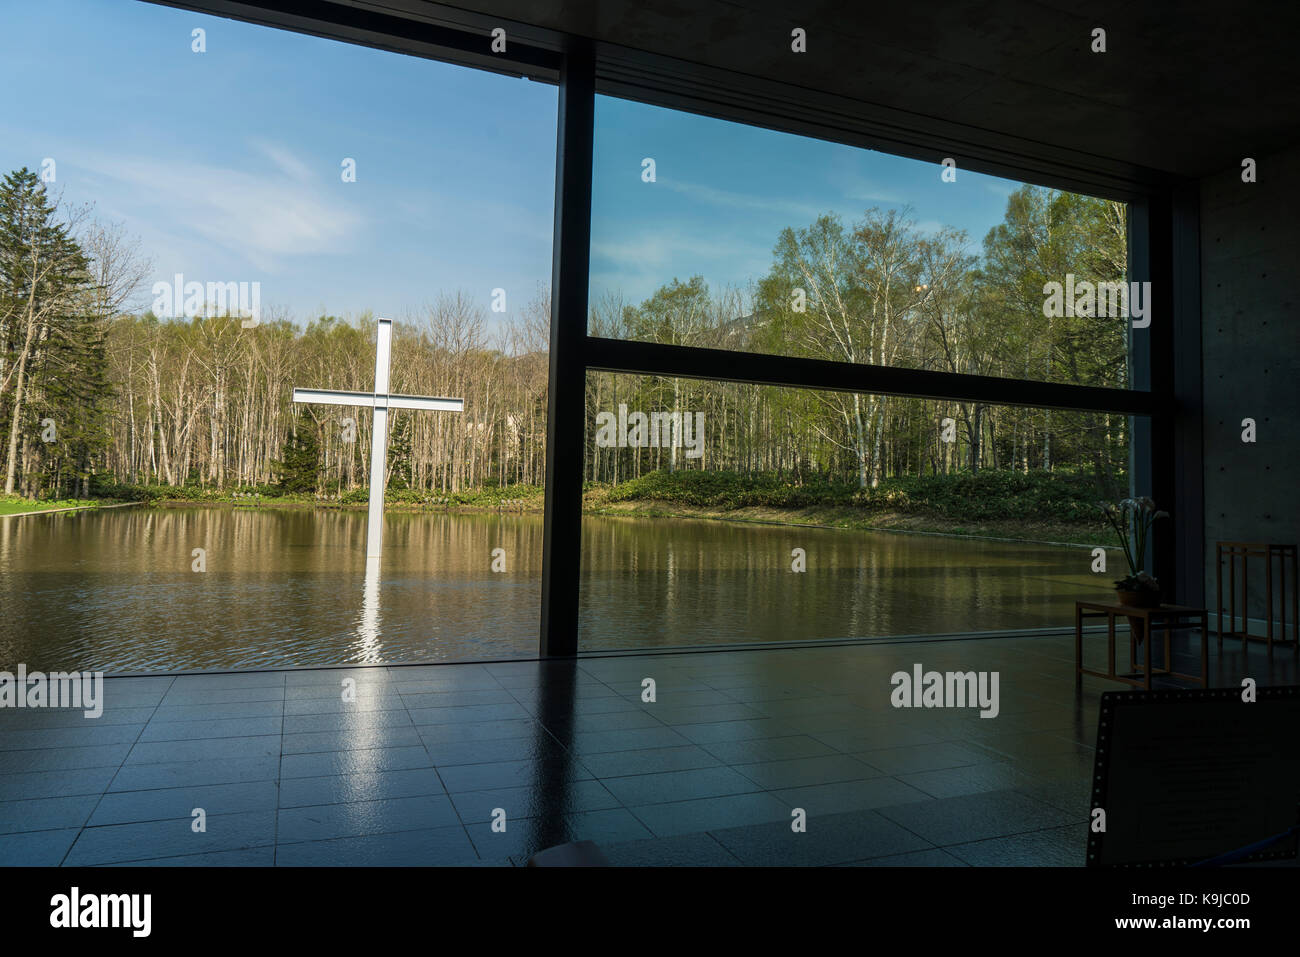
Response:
column 724, row 191
column 226, row 165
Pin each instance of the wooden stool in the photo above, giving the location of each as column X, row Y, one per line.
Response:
column 1245, row 550
column 1140, row 628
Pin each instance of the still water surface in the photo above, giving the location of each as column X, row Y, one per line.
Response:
column 114, row 590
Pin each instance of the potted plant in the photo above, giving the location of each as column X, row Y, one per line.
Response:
column 1132, row 520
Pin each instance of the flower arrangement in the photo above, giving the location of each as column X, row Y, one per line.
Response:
column 1132, row 520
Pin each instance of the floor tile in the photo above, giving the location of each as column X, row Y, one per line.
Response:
column 924, row 757
column 538, row 747
column 345, row 721
column 213, row 712
column 352, row 739
column 348, row 788
column 64, row 759
column 329, row 821
column 34, row 718
column 614, row 764
column 171, row 838
column 1052, row 847
column 931, row 858
column 767, row 749
column 540, row 774
column 715, row 732
column 629, row 739
column 47, row 813
column 802, row 772
column 360, row 762
column 74, row 737
column 247, row 857
column 194, row 729
column 706, row 814
column 703, row 714
column 183, row 699
column 206, row 749
column 458, row 699
column 523, row 838
column 127, row 807
column 952, row 782
column 824, row 799
column 686, row 850
column 521, row 802
column 426, row 848
column 829, row 839
column 48, row 784
column 479, row 731
column 667, row 786
column 181, row 774
column 471, row 714
column 36, row 848
column 975, row 817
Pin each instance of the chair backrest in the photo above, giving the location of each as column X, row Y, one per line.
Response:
column 1197, row 777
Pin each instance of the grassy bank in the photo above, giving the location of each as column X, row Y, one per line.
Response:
column 14, row 505
column 513, row 497
column 1034, row 506
column 856, row 518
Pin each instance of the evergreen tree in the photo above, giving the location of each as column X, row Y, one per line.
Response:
column 399, row 453
column 300, row 461
column 75, row 390
column 44, row 281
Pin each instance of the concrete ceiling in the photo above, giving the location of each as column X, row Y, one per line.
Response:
column 1187, row 88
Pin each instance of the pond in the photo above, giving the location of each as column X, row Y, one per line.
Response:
column 118, row 591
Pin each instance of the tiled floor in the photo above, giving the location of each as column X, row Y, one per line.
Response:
column 415, row 770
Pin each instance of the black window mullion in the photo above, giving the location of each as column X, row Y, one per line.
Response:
column 652, row 358
column 566, row 396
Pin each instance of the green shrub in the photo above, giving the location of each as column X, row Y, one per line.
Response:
column 987, row 496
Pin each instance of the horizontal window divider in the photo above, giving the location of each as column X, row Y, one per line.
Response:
column 690, row 362
column 387, row 31
column 711, row 91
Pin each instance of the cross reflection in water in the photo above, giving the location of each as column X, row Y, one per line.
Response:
column 368, row 625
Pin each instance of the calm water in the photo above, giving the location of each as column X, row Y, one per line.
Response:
column 115, row 591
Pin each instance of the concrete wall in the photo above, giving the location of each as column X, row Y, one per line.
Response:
column 1250, row 328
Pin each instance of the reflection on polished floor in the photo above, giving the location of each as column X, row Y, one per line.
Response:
column 415, row 770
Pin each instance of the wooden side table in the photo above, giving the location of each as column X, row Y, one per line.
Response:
column 1170, row 616
column 1233, row 551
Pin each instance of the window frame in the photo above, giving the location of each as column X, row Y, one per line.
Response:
column 1163, row 400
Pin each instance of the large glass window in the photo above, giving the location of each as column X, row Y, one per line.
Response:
column 236, row 222
column 724, row 512
column 715, row 234
column 209, row 215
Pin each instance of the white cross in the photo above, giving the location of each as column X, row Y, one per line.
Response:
column 381, row 400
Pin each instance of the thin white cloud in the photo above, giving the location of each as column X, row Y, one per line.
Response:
column 869, row 192
column 650, row 251
column 722, row 197
column 264, row 217
column 287, row 163
column 637, row 266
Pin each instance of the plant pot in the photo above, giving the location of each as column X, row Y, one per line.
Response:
column 1142, row 598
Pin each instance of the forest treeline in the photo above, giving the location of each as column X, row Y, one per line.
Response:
column 93, row 394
